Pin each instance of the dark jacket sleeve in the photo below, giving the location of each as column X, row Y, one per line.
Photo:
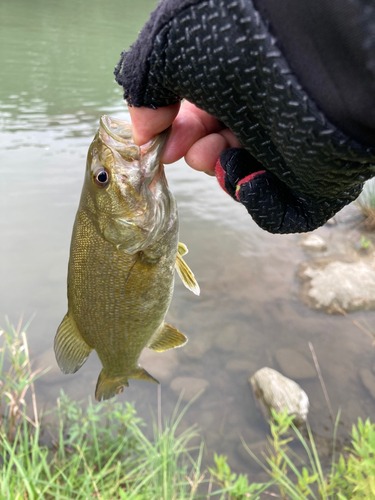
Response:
column 226, row 58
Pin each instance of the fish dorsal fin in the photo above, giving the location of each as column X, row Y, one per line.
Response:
column 70, row 349
column 185, row 273
column 167, row 337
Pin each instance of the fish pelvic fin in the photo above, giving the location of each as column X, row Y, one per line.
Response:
column 185, row 273
column 71, row 350
column 109, row 386
column 167, row 338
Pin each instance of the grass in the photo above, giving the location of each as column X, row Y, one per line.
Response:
column 101, row 450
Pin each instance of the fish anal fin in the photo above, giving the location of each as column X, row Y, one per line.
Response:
column 167, row 337
column 141, row 374
column 109, row 386
column 187, row 276
column 70, row 349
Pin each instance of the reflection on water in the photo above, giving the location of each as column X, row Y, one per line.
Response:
column 57, row 60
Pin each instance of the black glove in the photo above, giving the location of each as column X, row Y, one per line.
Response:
column 220, row 55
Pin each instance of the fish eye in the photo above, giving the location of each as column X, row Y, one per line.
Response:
column 101, row 178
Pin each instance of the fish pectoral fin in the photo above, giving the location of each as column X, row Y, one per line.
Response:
column 182, row 249
column 109, row 386
column 185, row 273
column 141, row 374
column 70, row 349
column 167, row 338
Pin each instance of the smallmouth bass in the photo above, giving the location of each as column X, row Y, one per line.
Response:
column 123, row 254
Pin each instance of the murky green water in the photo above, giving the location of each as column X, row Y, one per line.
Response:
column 56, row 79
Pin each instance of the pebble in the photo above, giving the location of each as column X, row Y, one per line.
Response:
column 368, row 380
column 313, row 242
column 190, row 385
column 294, row 364
column 274, row 391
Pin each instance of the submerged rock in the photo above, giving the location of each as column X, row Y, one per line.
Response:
column 349, row 286
column 294, row 364
column 313, row 242
column 278, row 392
column 190, row 385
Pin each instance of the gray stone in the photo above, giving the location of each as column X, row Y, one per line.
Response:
column 349, row 286
column 368, row 380
column 274, row 391
column 294, row 364
column 313, row 242
column 189, row 385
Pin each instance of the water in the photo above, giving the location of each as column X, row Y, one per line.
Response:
column 56, row 79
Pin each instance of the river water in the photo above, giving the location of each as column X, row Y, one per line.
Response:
column 56, row 79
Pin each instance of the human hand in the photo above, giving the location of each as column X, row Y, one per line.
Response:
column 296, row 169
column 195, row 134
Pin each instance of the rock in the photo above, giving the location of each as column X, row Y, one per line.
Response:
column 239, row 365
column 368, row 380
column 278, row 392
column 228, row 339
column 190, row 385
column 294, row 364
column 331, row 222
column 349, row 286
column 161, row 364
column 196, row 349
column 313, row 242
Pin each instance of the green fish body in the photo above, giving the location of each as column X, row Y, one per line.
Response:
column 124, row 251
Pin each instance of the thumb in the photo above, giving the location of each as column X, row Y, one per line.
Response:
column 148, row 122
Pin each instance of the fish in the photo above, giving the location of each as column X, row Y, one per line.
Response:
column 123, row 256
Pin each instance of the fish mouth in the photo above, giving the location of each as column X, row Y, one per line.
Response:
column 118, row 136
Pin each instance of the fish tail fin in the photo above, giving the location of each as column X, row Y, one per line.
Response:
column 70, row 349
column 141, row 374
column 108, row 386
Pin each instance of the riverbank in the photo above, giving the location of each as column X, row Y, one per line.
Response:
column 102, row 450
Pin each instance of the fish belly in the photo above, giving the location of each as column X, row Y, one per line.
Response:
column 118, row 301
